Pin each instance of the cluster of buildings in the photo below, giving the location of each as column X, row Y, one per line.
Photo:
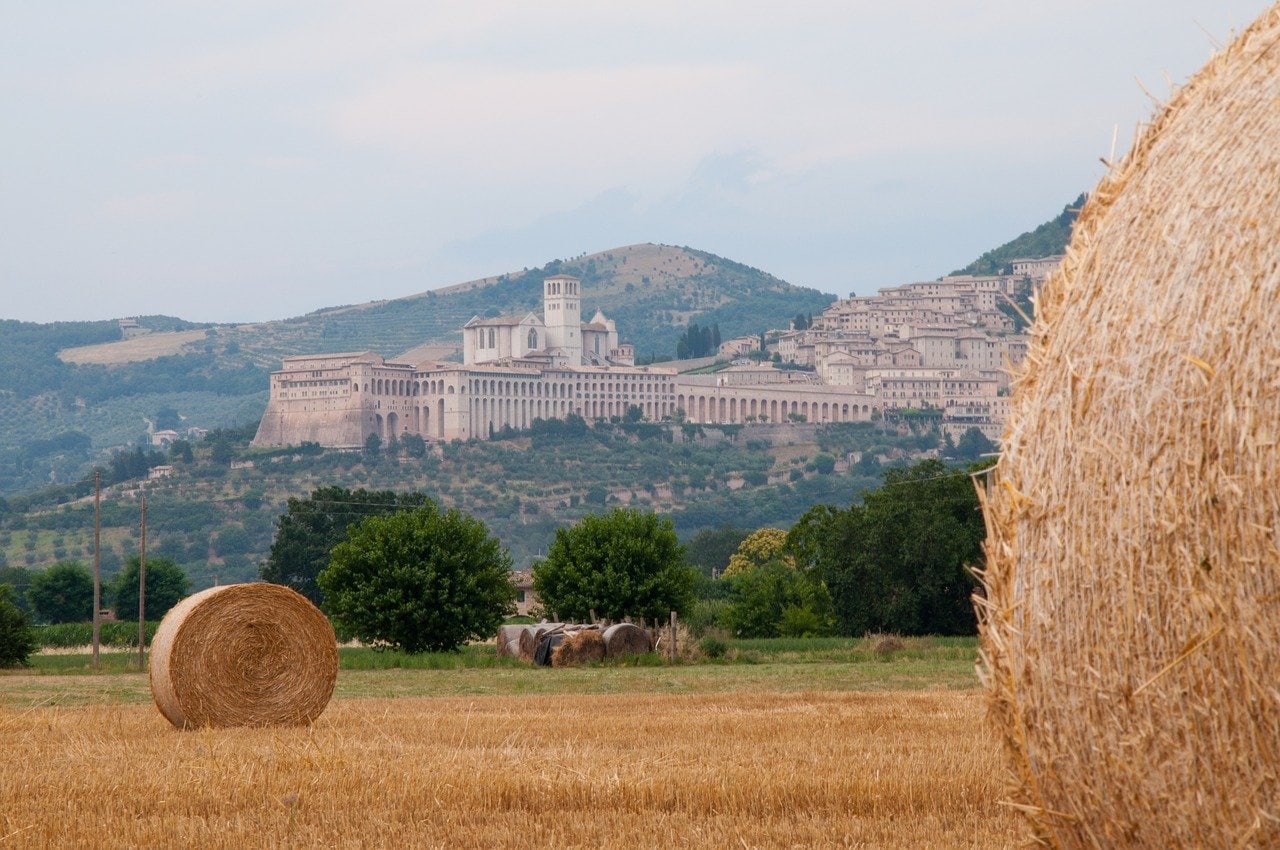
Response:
column 943, row 345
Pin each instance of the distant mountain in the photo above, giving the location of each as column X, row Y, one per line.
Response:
column 69, row 390
column 1046, row 240
column 651, row 291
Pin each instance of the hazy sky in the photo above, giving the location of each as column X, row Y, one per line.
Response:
column 240, row 161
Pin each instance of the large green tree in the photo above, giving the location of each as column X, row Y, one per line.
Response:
column 63, row 593
column 419, row 580
column 625, row 563
column 17, row 638
column 309, row 529
column 167, row 584
column 902, row 560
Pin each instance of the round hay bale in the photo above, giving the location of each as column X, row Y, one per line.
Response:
column 507, row 635
column 625, row 639
column 528, row 644
column 580, row 647
column 243, row 655
column 531, row 635
column 1131, row 622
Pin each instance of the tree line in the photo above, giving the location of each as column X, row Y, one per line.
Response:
column 397, row 569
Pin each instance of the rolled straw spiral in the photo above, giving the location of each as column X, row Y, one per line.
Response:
column 243, row 655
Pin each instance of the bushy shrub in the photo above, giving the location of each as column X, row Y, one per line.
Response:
column 713, row 646
column 774, row 600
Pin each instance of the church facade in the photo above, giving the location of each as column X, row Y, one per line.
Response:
column 516, row 370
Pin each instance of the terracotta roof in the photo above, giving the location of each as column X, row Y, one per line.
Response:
column 495, row 322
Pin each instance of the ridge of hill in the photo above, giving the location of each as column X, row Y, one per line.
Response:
column 1047, row 240
column 650, row 290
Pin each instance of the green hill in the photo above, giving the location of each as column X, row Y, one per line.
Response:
column 651, row 291
column 1047, row 240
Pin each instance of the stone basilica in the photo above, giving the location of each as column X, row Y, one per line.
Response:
column 518, row 369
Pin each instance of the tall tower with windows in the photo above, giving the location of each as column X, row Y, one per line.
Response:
column 562, row 313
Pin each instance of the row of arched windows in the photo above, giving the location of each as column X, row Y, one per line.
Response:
column 388, row 386
column 702, row 408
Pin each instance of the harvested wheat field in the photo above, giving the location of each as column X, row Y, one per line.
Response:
column 139, row 348
column 891, row 770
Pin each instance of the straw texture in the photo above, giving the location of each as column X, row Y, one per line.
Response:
column 243, row 655
column 625, row 639
column 580, row 647
column 1131, row 621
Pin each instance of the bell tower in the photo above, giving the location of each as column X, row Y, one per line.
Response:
column 562, row 314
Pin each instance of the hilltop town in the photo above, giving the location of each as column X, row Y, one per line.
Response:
column 944, row 346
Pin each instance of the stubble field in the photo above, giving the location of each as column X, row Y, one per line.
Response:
column 622, row 757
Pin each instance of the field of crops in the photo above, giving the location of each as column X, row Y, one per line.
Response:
column 762, row 755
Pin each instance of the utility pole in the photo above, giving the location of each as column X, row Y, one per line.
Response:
column 142, row 587
column 97, row 564
column 673, row 635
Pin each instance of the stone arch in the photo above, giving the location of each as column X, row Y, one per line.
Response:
column 440, row 418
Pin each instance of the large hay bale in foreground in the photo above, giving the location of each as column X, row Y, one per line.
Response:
column 243, row 655
column 580, row 647
column 625, row 639
column 1131, row 626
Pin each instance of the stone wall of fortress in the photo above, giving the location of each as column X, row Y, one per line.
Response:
column 341, row 402
column 710, row 399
